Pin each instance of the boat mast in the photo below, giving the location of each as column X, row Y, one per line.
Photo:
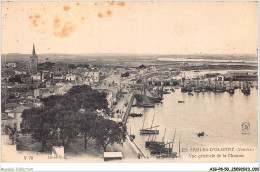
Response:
column 197, row 82
column 168, row 149
column 216, row 81
column 143, row 122
column 180, row 146
column 173, row 137
column 164, row 134
column 152, row 122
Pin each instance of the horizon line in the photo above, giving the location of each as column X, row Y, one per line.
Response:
column 154, row 54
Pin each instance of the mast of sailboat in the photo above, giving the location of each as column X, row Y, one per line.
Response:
column 180, row 146
column 144, row 85
column 143, row 122
column 152, row 121
column 184, row 80
column 168, row 150
column 164, row 134
column 216, row 81
column 247, row 84
column 173, row 138
column 151, row 127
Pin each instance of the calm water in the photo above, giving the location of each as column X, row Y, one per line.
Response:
column 219, row 115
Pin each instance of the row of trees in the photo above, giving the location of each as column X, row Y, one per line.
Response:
column 72, row 114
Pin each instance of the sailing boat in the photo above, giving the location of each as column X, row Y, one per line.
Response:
column 165, row 90
column 231, row 89
column 145, row 101
column 209, row 86
column 203, row 87
column 166, row 151
column 149, row 130
column 246, row 88
column 153, row 142
column 189, row 89
column 136, row 114
column 218, row 86
column 197, row 88
column 183, row 88
column 156, row 97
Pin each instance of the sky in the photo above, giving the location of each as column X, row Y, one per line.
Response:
column 130, row 27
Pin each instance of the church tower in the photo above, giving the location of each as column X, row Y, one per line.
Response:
column 33, row 62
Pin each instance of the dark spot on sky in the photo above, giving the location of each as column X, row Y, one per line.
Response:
column 34, row 22
column 66, row 8
column 100, row 15
column 56, row 20
column 121, row 3
column 109, row 13
column 77, row 4
column 30, row 17
column 37, row 16
column 111, row 3
column 56, row 23
column 64, row 31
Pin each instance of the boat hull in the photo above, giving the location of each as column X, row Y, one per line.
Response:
column 146, row 105
column 246, row 91
column 136, row 115
column 142, row 132
column 162, row 150
column 153, row 143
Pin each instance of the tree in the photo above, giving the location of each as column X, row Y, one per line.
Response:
column 108, row 132
column 39, row 122
column 72, row 66
column 86, row 122
column 69, row 128
column 16, row 78
column 63, row 112
column 90, row 99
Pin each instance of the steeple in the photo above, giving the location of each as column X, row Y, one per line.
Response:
column 33, row 51
column 33, row 61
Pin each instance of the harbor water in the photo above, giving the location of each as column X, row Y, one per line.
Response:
column 219, row 115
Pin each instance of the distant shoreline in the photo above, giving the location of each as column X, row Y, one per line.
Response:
column 101, row 56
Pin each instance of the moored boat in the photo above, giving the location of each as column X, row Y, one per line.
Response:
column 246, row 88
column 161, row 150
column 166, row 155
column 153, row 143
column 231, row 90
column 136, row 114
column 149, row 130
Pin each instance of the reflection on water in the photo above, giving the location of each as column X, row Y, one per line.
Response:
column 220, row 116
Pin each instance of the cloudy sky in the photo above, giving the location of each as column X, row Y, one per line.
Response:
column 130, row 27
